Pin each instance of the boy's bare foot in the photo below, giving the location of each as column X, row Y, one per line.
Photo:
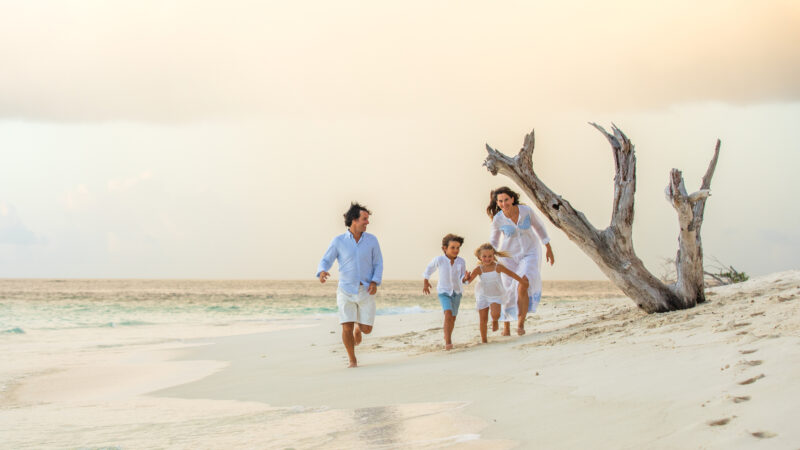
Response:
column 520, row 331
column 495, row 325
column 448, row 346
column 352, row 364
column 356, row 335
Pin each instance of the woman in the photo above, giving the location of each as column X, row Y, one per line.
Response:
column 523, row 234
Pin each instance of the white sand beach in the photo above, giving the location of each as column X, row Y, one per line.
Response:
column 589, row 374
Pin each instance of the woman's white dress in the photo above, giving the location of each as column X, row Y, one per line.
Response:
column 523, row 240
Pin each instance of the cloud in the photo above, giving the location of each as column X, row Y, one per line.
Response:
column 182, row 60
column 78, row 198
column 12, row 230
column 121, row 184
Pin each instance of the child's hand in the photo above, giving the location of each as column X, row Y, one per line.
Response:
column 426, row 287
column 524, row 281
column 466, row 277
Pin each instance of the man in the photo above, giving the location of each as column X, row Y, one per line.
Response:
column 360, row 272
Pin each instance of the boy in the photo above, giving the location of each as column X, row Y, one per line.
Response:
column 452, row 273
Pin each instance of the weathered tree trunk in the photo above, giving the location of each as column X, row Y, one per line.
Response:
column 612, row 248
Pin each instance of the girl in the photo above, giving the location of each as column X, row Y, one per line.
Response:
column 490, row 292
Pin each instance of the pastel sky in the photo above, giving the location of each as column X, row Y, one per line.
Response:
column 210, row 139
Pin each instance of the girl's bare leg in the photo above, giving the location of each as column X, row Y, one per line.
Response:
column 522, row 307
column 506, row 328
column 494, row 308
column 483, row 315
column 449, row 324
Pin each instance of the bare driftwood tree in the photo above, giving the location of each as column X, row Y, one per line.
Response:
column 612, row 248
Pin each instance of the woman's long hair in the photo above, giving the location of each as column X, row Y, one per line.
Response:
column 493, row 209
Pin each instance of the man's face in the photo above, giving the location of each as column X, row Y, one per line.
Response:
column 360, row 224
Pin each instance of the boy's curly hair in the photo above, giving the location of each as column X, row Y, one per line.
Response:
column 452, row 237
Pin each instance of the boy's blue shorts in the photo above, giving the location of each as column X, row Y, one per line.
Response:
column 450, row 301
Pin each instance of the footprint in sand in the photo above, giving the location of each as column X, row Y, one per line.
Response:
column 752, row 380
column 755, row 362
column 764, row 434
column 747, row 352
column 720, row 422
column 740, row 399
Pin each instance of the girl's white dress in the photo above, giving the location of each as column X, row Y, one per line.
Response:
column 489, row 290
column 523, row 240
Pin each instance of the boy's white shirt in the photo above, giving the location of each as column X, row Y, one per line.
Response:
column 450, row 276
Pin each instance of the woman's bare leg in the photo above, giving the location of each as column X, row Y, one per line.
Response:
column 522, row 307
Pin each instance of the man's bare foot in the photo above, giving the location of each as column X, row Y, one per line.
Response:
column 448, row 346
column 495, row 325
column 520, row 331
column 352, row 364
column 356, row 335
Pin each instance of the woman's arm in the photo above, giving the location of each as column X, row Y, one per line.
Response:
column 549, row 254
column 495, row 233
column 538, row 225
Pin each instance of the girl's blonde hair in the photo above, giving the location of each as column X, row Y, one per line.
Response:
column 488, row 246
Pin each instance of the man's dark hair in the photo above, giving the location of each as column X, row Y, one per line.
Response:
column 354, row 213
column 452, row 237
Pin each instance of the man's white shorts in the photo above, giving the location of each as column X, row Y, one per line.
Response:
column 356, row 307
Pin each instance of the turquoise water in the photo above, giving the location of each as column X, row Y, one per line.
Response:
column 37, row 305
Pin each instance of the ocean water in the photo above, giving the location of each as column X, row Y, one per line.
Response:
column 40, row 305
column 53, row 328
column 42, row 321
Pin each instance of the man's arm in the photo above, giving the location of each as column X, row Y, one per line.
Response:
column 327, row 262
column 377, row 266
